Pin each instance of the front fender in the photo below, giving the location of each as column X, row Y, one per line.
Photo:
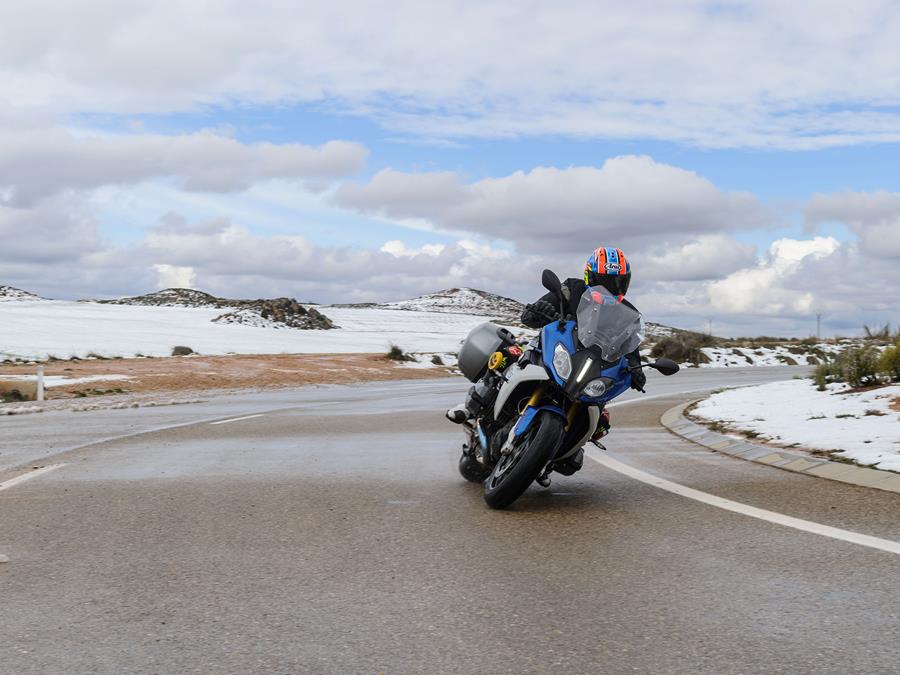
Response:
column 530, row 373
column 528, row 417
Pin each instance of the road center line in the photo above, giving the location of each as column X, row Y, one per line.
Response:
column 745, row 509
column 237, row 419
column 28, row 476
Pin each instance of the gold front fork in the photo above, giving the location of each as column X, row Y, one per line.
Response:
column 536, row 396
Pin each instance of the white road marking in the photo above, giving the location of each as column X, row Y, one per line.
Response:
column 28, row 476
column 643, row 398
column 237, row 419
column 745, row 509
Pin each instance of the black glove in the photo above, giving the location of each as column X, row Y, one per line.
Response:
column 540, row 313
column 638, row 379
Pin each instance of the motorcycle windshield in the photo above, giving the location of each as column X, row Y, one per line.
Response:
column 606, row 322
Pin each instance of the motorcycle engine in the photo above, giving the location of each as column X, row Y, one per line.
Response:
column 480, row 398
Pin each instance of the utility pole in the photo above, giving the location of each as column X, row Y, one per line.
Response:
column 819, row 327
column 710, row 327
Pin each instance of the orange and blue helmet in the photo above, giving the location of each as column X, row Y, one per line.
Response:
column 608, row 267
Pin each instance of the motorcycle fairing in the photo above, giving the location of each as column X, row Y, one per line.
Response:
column 617, row 371
column 572, row 442
column 517, row 376
column 551, row 335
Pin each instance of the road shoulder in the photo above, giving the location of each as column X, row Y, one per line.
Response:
column 675, row 421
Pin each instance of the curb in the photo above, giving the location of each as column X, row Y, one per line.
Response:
column 675, row 421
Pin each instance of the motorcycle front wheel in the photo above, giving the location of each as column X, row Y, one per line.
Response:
column 515, row 471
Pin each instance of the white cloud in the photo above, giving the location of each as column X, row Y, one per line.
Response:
column 873, row 216
column 710, row 256
column 398, row 249
column 768, row 73
column 171, row 276
column 37, row 163
column 767, row 289
column 629, row 199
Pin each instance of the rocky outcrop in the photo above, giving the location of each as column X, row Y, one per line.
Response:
column 9, row 294
column 277, row 313
column 264, row 313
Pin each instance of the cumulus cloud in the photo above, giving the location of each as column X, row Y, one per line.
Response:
column 629, row 199
column 805, row 75
column 57, row 230
column 171, row 276
column 767, row 288
column 707, row 257
column 873, row 216
column 37, row 163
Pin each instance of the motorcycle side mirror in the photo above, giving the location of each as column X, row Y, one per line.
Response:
column 665, row 366
column 551, row 282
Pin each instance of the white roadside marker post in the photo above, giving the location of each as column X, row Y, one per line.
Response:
column 40, row 383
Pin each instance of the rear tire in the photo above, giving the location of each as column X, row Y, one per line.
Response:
column 514, row 472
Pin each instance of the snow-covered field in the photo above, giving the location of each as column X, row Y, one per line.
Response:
column 43, row 328
column 858, row 426
column 729, row 357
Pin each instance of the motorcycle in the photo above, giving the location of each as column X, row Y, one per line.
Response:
column 532, row 410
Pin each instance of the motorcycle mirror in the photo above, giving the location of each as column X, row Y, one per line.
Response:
column 551, row 282
column 665, row 366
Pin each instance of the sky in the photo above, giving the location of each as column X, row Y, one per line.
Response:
column 743, row 155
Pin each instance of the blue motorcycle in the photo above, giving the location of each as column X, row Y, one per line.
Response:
column 532, row 417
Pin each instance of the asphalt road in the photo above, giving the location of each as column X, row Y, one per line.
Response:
column 328, row 532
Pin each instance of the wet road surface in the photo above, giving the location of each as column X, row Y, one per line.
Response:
column 327, row 530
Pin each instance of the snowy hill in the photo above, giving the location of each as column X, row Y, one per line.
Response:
column 463, row 301
column 172, row 297
column 10, row 294
column 276, row 313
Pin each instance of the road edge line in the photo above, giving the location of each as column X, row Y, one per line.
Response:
column 34, row 473
column 808, row 465
column 774, row 517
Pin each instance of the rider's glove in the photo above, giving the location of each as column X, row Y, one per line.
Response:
column 638, row 379
column 541, row 312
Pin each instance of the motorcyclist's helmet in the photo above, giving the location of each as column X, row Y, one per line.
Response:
column 608, row 267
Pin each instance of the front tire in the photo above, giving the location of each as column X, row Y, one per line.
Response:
column 515, row 471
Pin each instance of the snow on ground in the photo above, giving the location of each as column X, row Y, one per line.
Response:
column 61, row 381
column 794, row 355
column 858, row 426
column 38, row 329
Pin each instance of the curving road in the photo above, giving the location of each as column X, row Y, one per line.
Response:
column 326, row 530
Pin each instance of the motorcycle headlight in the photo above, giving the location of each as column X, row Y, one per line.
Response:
column 562, row 362
column 595, row 388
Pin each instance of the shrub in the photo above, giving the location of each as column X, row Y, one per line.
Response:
column 859, row 367
column 181, row 350
column 683, row 347
column 437, row 360
column 395, row 353
column 821, row 376
column 889, row 363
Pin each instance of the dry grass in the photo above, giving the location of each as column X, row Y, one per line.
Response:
column 204, row 373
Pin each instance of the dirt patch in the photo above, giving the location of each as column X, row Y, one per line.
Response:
column 206, row 373
column 895, row 403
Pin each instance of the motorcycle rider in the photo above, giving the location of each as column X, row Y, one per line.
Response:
column 607, row 267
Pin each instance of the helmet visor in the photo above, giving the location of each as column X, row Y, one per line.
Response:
column 617, row 284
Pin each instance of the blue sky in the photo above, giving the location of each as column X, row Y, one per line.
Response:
column 783, row 179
